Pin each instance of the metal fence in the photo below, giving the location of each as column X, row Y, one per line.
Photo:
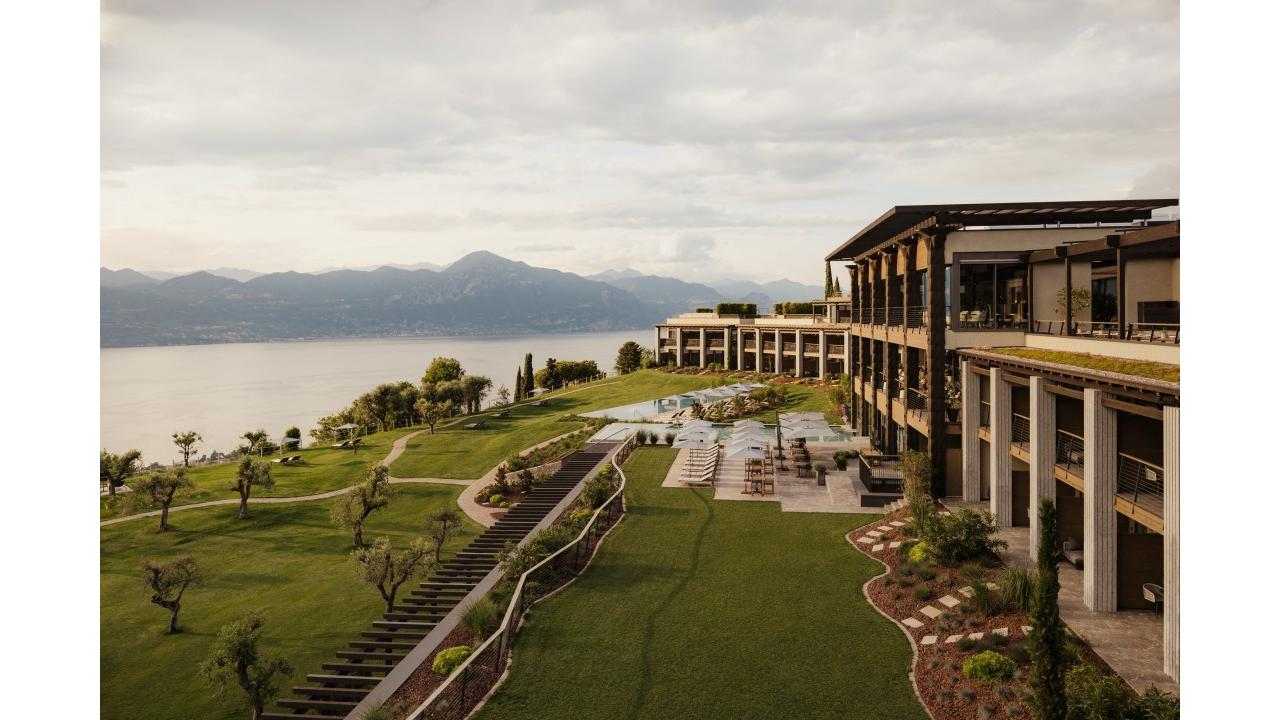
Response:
column 916, row 316
column 470, row 682
column 1021, row 429
column 984, row 414
column 1141, row 483
column 1070, row 452
column 917, row 401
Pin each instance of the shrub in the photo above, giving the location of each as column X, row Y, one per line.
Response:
column 904, row 550
column 998, row 639
column 670, row 437
column 967, row 694
column 922, row 592
column 926, row 573
column 920, row 552
column 1092, row 694
column 495, row 499
column 966, row 644
column 642, row 436
column 737, row 308
column 1017, row 587
column 479, row 617
column 1019, row 654
column 917, row 474
column 526, row 481
column 1156, row 705
column 841, row 460
column 982, row 600
column 990, row 666
column 449, row 659
column 964, row 535
column 595, row 492
column 504, row 504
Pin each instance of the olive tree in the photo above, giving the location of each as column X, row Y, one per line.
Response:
column 168, row 581
column 385, row 568
column 442, row 525
column 351, row 510
column 250, row 474
column 235, row 658
column 161, row 487
column 186, row 442
column 115, row 469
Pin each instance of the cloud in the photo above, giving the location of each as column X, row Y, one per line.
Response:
column 416, row 129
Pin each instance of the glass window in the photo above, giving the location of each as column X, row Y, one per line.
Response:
column 992, row 295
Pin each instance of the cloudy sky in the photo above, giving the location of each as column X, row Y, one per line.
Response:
column 696, row 139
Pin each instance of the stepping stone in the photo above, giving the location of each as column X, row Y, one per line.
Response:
column 885, row 528
column 912, row 623
column 965, row 591
column 948, row 601
column 897, row 523
column 1001, row 631
column 930, row 611
column 877, row 548
column 865, row 540
column 975, row 636
column 1026, row 629
column 954, row 639
column 875, row 533
column 928, row 639
column 894, row 545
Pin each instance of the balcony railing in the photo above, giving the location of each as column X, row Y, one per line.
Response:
column 715, row 344
column 788, row 347
column 748, row 344
column 916, row 316
column 877, row 316
column 1069, row 454
column 880, row 473
column 770, row 345
column 1168, row 333
column 897, row 316
column 917, row 401
column 811, row 347
column 984, row 414
column 1140, row 483
column 1021, row 430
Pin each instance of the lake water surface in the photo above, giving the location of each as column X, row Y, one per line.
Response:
column 221, row 391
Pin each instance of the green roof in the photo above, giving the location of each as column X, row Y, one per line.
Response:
column 1137, row 368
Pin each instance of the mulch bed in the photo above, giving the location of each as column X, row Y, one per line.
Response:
column 947, row 693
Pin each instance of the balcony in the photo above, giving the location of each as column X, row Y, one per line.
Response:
column 880, row 473
column 917, row 401
column 896, row 315
column 788, row 347
column 878, row 315
column 811, row 348
column 984, row 415
column 1069, row 453
column 917, row 315
column 1166, row 333
column 715, row 344
column 770, row 345
column 864, row 315
column 1021, row 431
column 1139, row 486
column 748, row 345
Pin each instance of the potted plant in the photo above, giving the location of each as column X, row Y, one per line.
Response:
column 822, row 474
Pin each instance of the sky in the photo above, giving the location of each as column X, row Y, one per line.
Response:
column 702, row 140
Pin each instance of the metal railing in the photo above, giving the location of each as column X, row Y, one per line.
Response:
column 812, row 347
column 715, row 344
column 788, row 347
column 770, row 345
column 897, row 315
column 917, row 401
column 984, row 414
column 1020, row 430
column 864, row 315
column 1140, row 483
column 1169, row 333
column 454, row 699
column 917, row 316
column 748, row 344
column 1069, row 452
column 878, row 315
column 880, row 473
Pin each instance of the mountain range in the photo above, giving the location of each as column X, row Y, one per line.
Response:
column 480, row 294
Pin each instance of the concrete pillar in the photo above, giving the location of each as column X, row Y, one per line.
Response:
column 737, row 334
column 1172, row 564
column 1099, row 504
column 759, row 351
column 799, row 354
column 777, row 349
column 679, row 347
column 822, row 355
column 1001, row 462
column 657, row 344
column 702, row 347
column 970, row 444
column 848, row 356
column 1044, row 427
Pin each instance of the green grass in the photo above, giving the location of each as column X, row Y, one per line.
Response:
column 803, row 398
column 287, row 560
column 456, row 452
column 696, row 608
column 1139, row 368
column 322, row 469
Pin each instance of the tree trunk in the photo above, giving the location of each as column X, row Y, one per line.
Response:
column 173, row 617
column 164, row 521
column 357, row 535
column 111, row 488
column 244, row 506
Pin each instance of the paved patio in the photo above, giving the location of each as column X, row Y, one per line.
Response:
column 841, row 494
column 1131, row 641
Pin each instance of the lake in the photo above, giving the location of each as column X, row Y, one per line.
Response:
column 221, row 391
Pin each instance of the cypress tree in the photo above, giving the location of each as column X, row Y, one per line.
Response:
column 1047, row 641
column 837, row 286
column 528, row 375
column 827, row 287
column 519, row 392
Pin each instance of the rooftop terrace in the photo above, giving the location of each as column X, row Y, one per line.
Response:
column 1136, row 368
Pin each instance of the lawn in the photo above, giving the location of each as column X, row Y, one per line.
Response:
column 456, row 452
column 696, row 608
column 288, row 561
column 322, row 469
column 803, row 398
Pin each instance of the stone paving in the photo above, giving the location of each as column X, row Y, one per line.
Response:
column 793, row 494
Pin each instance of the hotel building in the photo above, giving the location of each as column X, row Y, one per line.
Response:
column 1031, row 349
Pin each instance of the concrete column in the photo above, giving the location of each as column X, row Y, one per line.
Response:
column 822, row 355
column 657, row 344
column 1001, row 463
column 799, row 354
column 1099, row 504
column 679, row 347
column 777, row 349
column 970, row 444
column 848, row 356
column 1172, row 564
column 759, row 351
column 1044, row 428
column 737, row 345
column 702, row 347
